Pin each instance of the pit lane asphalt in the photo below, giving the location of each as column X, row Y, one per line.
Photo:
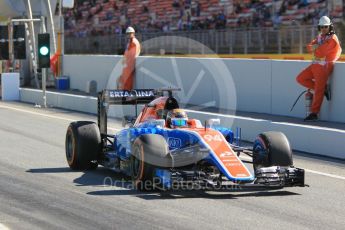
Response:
column 39, row 191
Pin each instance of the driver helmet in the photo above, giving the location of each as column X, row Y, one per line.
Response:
column 177, row 118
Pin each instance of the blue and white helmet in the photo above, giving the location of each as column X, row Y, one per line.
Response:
column 177, row 118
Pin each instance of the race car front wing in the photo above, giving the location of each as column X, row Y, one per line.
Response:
column 280, row 176
column 265, row 178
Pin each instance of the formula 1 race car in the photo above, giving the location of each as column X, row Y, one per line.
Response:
column 163, row 148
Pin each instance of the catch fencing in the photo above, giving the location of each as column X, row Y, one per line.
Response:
column 235, row 41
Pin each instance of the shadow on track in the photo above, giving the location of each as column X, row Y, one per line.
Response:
column 50, row 170
column 98, row 177
column 189, row 194
column 116, row 184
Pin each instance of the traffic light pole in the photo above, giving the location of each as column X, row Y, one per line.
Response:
column 44, row 70
column 10, row 48
column 30, row 21
column 60, row 41
column 44, row 86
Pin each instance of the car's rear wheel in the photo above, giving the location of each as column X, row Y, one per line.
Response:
column 271, row 149
column 82, row 145
column 147, row 153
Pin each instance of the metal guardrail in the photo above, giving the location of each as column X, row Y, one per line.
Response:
column 253, row 41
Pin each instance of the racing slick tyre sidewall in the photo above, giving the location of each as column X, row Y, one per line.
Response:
column 142, row 172
column 271, row 149
column 83, row 144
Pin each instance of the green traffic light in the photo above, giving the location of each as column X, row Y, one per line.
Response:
column 44, row 50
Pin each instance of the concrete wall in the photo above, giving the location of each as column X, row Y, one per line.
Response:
column 285, row 90
column 253, row 84
column 67, row 101
column 263, row 86
column 84, row 68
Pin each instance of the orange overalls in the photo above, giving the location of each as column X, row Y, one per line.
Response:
column 126, row 80
column 54, row 63
column 316, row 75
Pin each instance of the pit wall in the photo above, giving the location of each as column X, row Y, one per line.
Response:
column 261, row 86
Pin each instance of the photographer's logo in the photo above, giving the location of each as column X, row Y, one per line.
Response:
column 206, row 83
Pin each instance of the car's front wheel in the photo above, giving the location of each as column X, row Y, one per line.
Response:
column 271, row 149
column 148, row 152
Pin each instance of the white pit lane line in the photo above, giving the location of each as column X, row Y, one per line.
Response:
column 306, row 170
column 45, row 115
column 325, row 174
column 114, row 129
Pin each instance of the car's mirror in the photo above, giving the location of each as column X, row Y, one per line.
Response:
column 128, row 121
column 214, row 122
column 159, row 123
column 151, row 105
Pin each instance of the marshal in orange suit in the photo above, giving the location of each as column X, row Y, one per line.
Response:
column 126, row 80
column 326, row 50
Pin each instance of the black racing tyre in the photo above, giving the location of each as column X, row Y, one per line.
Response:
column 83, row 144
column 147, row 150
column 271, row 149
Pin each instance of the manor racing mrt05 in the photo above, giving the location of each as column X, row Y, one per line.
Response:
column 163, row 148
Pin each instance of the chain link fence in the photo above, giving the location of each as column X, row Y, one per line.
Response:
column 251, row 41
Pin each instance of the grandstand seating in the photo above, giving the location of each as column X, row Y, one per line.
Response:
column 112, row 16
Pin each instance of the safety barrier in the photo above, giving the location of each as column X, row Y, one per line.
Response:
column 262, row 86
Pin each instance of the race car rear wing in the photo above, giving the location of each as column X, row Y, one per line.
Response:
column 120, row 97
column 128, row 97
column 125, row 97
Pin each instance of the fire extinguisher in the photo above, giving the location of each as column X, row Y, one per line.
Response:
column 308, row 101
column 308, row 95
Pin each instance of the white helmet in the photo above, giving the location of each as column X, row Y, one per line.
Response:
column 130, row 30
column 325, row 21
